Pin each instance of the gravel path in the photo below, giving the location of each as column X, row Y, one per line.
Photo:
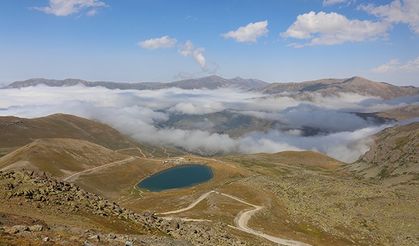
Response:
column 74, row 176
column 241, row 220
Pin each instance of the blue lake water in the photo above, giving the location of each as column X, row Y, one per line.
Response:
column 177, row 177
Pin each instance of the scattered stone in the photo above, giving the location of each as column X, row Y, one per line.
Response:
column 36, row 228
column 16, row 229
column 86, row 243
column 95, row 237
column 61, row 197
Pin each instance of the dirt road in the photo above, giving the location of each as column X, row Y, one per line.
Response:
column 74, row 176
column 241, row 220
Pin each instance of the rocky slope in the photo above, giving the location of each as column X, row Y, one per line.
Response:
column 393, row 154
column 39, row 209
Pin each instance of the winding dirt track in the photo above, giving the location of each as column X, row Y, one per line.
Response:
column 241, row 220
column 74, row 176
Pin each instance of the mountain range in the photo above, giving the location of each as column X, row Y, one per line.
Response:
column 210, row 82
column 357, row 85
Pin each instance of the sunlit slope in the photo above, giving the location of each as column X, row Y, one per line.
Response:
column 59, row 157
column 16, row 132
column 356, row 85
column 308, row 159
column 393, row 154
column 19, row 131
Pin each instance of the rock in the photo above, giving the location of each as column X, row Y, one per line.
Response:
column 129, row 243
column 86, row 243
column 16, row 229
column 36, row 228
column 95, row 237
column 46, row 239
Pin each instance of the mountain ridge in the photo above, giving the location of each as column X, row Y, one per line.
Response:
column 209, row 82
column 354, row 84
column 329, row 86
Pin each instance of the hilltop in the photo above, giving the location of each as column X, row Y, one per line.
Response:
column 59, row 156
column 16, row 131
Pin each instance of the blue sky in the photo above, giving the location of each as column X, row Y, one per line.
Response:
column 279, row 40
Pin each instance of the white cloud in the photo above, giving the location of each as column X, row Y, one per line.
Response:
column 398, row 11
column 197, row 108
column 188, row 49
column 249, row 33
column 157, row 43
column 333, row 2
column 332, row 28
column 395, row 65
column 141, row 114
column 69, row 7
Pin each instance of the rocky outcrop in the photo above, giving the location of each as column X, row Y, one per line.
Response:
column 56, row 196
column 394, row 153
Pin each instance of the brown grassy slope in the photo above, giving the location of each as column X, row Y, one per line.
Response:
column 19, row 131
column 307, row 159
column 59, row 157
column 16, row 132
column 395, row 152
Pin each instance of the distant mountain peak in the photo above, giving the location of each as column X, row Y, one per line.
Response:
column 356, row 84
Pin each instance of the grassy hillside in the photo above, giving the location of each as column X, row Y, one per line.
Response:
column 305, row 159
column 19, row 131
column 59, row 156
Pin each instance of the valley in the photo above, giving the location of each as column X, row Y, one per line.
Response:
column 250, row 192
column 62, row 166
column 209, row 123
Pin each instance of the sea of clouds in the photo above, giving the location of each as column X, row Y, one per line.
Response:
column 138, row 114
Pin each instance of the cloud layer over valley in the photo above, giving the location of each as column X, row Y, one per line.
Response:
column 335, row 125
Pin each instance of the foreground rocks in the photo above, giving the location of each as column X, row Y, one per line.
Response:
column 59, row 198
